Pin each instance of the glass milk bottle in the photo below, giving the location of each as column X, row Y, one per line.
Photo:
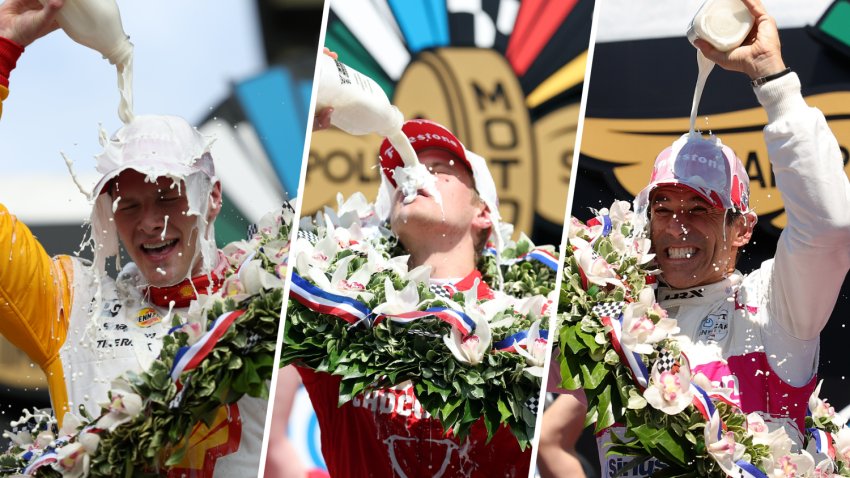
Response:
column 722, row 23
column 97, row 25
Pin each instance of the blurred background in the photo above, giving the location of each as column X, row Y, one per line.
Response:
column 238, row 69
column 642, row 84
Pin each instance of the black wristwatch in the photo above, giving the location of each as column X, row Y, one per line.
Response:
column 765, row 79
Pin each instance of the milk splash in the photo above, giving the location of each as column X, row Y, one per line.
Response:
column 125, row 86
column 705, row 67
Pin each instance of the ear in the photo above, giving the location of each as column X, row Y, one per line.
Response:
column 215, row 202
column 481, row 219
column 742, row 229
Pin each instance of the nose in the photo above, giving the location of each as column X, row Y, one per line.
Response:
column 676, row 226
column 151, row 221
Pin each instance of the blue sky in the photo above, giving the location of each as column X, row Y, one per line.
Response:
column 187, row 54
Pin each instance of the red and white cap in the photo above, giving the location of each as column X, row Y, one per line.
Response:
column 705, row 166
column 424, row 134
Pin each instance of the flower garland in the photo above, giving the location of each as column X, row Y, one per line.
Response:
column 615, row 343
column 355, row 310
column 223, row 351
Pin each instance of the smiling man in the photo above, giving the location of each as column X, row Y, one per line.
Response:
column 757, row 335
column 159, row 197
column 387, row 432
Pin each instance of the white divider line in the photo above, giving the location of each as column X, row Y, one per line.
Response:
column 293, row 234
column 573, row 172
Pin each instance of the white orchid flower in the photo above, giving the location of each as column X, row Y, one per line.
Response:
column 70, row 423
column 123, row 408
column 725, row 451
column 277, row 251
column 842, row 445
column 619, row 213
column 22, row 438
column 354, row 210
column 255, row 277
column 821, row 409
column 670, row 392
column 757, row 429
column 398, row 302
column 535, row 355
column 597, row 270
column 341, row 284
column 577, row 230
column 239, row 251
column 640, row 331
column 485, row 310
column 824, row 469
column 470, row 349
column 44, row 439
column 377, row 263
column 319, row 256
column 270, row 222
column 74, row 460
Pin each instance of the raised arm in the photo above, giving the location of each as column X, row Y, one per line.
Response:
column 812, row 256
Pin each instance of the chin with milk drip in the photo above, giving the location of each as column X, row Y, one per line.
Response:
column 756, row 334
column 387, row 432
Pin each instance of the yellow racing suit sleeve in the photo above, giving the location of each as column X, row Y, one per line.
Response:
column 35, row 301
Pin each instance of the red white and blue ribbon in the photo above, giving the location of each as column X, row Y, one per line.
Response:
column 189, row 357
column 605, row 222
column 49, row 456
column 702, row 402
column 456, row 318
column 539, row 255
column 823, row 441
column 749, row 470
column 316, row 299
column 631, row 359
column 521, row 339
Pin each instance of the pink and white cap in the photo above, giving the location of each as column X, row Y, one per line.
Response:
column 157, row 146
column 705, row 166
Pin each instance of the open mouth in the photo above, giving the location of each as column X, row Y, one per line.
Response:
column 160, row 249
column 682, row 252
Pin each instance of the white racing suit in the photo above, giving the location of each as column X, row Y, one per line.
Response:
column 759, row 335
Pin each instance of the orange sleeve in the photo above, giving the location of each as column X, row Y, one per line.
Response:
column 35, row 300
column 4, row 93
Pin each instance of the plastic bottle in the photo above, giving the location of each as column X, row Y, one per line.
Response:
column 722, row 23
column 361, row 106
column 97, row 25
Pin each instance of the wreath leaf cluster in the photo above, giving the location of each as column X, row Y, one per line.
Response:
column 241, row 363
column 374, row 357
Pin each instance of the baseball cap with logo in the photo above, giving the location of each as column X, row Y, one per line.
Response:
column 704, row 166
column 156, row 146
column 424, row 134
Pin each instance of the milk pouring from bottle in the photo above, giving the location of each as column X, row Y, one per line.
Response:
column 97, row 25
column 361, row 107
column 722, row 23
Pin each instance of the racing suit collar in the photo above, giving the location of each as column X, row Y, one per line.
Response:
column 183, row 293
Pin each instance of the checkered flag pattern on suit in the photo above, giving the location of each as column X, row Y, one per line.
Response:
column 252, row 229
column 440, row 292
column 533, row 404
column 609, row 309
column 309, row 236
column 252, row 341
column 665, row 361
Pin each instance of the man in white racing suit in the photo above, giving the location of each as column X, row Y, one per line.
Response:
column 160, row 195
column 758, row 334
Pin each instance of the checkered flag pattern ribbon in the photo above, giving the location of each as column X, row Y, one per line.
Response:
column 424, row 333
column 252, row 341
column 288, row 206
column 440, row 292
column 665, row 361
column 609, row 309
column 252, row 229
column 309, row 236
column 533, row 404
column 177, row 402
